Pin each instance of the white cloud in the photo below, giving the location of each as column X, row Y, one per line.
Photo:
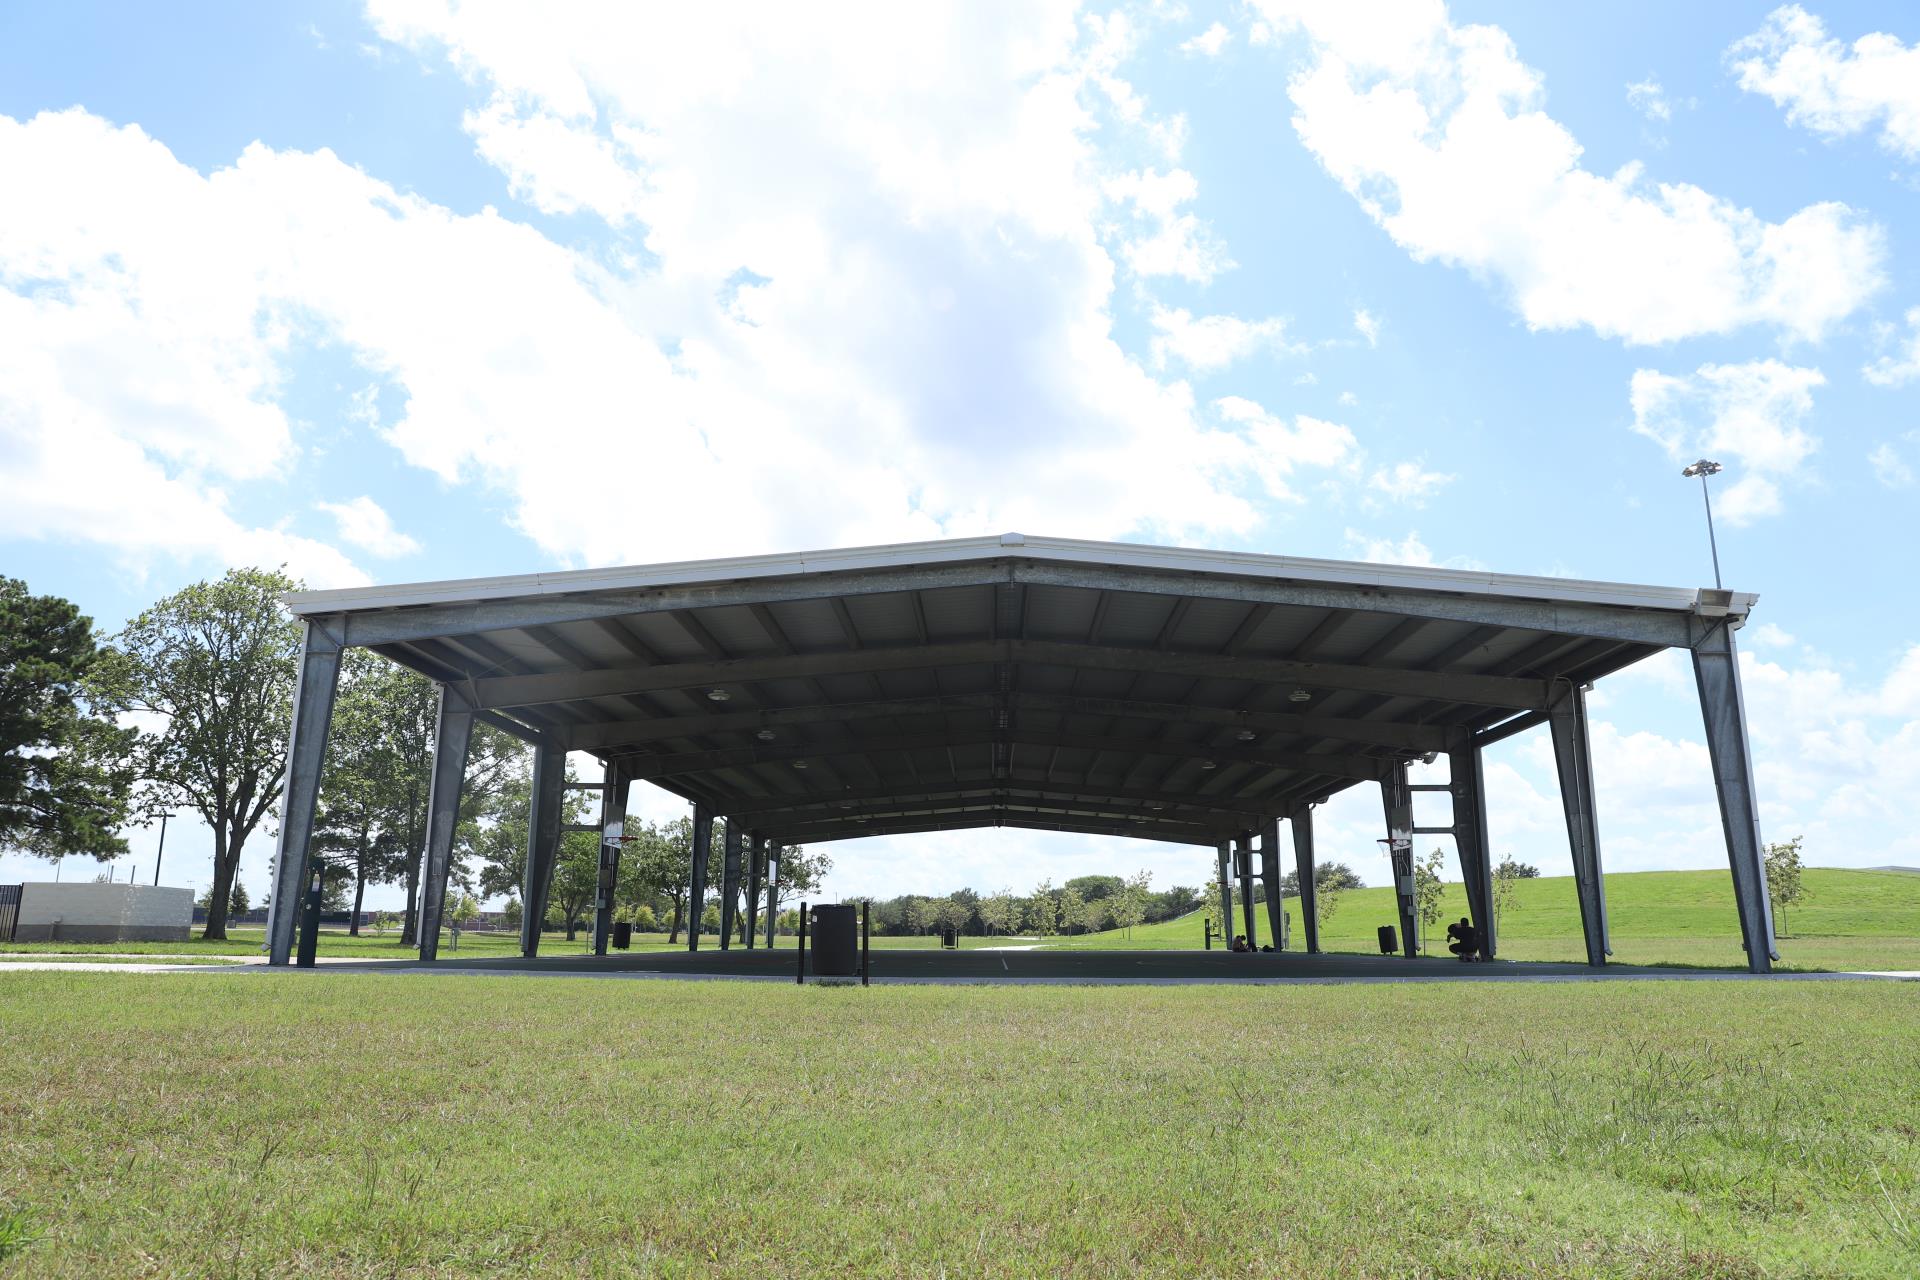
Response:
column 1163, row 238
column 1650, row 100
column 1410, row 550
column 1748, row 415
column 922, row 344
column 1367, row 325
column 1438, row 131
column 1889, row 468
column 1348, row 398
column 138, row 382
column 1207, row 343
column 365, row 524
column 1208, row 43
column 1903, row 366
column 1407, row 482
column 1833, row 89
column 1279, row 448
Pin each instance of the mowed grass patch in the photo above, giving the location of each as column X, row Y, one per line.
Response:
column 360, row 1125
column 1849, row 920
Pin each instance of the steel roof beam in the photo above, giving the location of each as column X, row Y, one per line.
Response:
column 597, row 737
column 1329, row 765
column 991, row 818
column 767, row 804
column 493, row 693
column 991, row 792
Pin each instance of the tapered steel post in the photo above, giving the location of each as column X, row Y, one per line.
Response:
column 1468, row 786
column 756, row 868
column 1270, row 881
column 772, row 887
column 1567, row 717
column 615, row 786
column 1716, row 669
column 1303, row 870
column 1225, row 849
column 1243, row 843
column 697, row 877
column 543, row 842
column 453, row 729
column 1396, row 799
column 729, row 884
column 313, row 691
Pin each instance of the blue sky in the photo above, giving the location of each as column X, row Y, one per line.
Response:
column 406, row 291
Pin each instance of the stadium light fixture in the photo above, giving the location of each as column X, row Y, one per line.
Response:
column 1704, row 468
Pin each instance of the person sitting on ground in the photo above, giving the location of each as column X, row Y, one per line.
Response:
column 1240, row 942
column 1463, row 939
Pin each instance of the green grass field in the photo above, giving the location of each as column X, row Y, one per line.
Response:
column 1849, row 920
column 352, row 1125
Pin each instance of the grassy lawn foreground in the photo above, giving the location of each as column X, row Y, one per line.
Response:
column 354, row 1125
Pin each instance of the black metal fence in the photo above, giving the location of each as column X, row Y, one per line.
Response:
column 9, row 910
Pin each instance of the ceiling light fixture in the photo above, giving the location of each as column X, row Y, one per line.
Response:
column 765, row 735
column 799, row 764
column 1208, row 764
column 1246, row 735
column 718, row 695
column 1299, row 695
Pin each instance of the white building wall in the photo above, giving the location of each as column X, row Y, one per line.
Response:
column 103, row 913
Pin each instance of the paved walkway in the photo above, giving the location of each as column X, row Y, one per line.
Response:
column 980, row 966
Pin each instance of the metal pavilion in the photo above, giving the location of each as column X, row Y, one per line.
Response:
column 1200, row 697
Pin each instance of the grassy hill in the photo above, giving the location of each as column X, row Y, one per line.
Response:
column 1848, row 919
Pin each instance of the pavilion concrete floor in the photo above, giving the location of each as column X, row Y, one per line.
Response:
column 1104, row 967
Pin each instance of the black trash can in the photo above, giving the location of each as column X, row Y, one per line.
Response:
column 1389, row 940
column 836, row 941
column 622, row 935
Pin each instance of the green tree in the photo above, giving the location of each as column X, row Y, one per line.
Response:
column 1043, row 912
column 576, row 877
column 238, row 903
column 919, row 914
column 1000, row 912
column 1129, row 906
column 1506, row 880
column 800, row 873
column 1429, row 890
column 655, row 865
column 215, row 664
column 1073, row 909
column 65, row 772
column 1783, row 878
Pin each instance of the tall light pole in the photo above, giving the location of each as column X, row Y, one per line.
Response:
column 1703, row 469
column 163, row 847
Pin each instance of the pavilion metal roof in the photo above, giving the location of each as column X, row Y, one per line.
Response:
column 1153, row 692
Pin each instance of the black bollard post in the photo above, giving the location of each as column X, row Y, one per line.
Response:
column 801, row 951
column 866, row 956
column 1208, row 922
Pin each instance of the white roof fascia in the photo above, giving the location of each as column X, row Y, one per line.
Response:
column 1243, row 564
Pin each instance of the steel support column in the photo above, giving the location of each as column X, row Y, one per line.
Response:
column 1567, row 717
column 729, row 884
column 1396, row 799
column 452, row 730
column 1716, row 669
column 1303, row 870
column 313, row 691
column 543, row 842
column 1225, row 849
column 1244, row 843
column 756, row 869
column 697, row 873
column 614, row 789
column 773, row 884
column 1467, row 784
column 1270, row 880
